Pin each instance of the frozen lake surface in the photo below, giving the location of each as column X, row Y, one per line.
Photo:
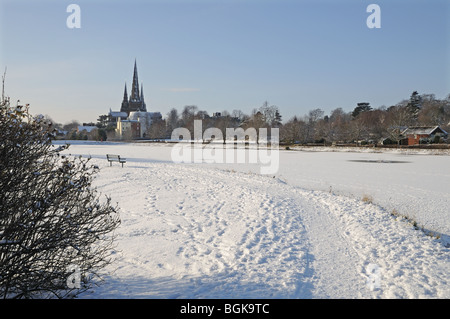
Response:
column 414, row 184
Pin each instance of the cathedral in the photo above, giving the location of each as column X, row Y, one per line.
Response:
column 136, row 102
column 133, row 120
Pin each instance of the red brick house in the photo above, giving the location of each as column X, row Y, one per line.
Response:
column 416, row 134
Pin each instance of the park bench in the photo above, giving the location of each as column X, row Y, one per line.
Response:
column 115, row 158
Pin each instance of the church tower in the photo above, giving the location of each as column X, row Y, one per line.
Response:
column 136, row 101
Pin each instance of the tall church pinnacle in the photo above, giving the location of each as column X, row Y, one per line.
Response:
column 125, row 105
column 125, row 94
column 135, row 86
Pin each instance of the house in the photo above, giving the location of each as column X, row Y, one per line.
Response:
column 418, row 134
column 114, row 117
column 128, row 129
column 146, row 119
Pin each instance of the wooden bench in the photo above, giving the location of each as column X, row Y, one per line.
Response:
column 115, row 158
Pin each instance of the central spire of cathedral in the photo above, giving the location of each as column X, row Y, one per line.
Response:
column 135, row 96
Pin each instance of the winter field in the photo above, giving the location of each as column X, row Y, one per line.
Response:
column 321, row 227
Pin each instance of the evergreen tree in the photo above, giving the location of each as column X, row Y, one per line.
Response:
column 414, row 105
column 362, row 107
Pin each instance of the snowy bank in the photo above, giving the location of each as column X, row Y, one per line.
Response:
column 223, row 231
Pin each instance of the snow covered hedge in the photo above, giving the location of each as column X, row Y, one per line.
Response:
column 56, row 231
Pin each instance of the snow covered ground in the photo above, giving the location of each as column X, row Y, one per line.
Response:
column 226, row 231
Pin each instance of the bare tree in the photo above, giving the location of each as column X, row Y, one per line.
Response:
column 311, row 119
column 291, row 130
column 271, row 114
column 188, row 117
column 339, row 123
column 157, row 130
column 172, row 118
column 239, row 115
column 56, row 231
column 3, row 86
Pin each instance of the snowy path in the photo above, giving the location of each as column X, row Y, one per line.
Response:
column 193, row 231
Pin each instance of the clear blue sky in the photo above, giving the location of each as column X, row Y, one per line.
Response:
column 222, row 54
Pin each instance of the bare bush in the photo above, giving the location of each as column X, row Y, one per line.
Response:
column 53, row 225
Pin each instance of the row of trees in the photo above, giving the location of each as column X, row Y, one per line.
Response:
column 69, row 131
column 266, row 116
column 367, row 124
column 363, row 123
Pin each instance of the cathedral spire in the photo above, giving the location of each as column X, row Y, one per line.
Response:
column 125, row 105
column 135, row 86
column 125, row 94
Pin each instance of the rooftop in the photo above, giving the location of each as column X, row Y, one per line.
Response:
column 423, row 130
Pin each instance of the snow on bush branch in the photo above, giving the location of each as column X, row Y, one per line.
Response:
column 50, row 216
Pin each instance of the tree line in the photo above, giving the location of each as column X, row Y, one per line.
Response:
column 363, row 124
column 369, row 125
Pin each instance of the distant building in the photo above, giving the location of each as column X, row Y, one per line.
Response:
column 146, row 119
column 133, row 120
column 136, row 101
column 128, row 129
column 113, row 117
column 416, row 134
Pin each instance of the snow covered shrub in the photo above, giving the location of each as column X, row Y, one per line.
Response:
column 56, row 232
